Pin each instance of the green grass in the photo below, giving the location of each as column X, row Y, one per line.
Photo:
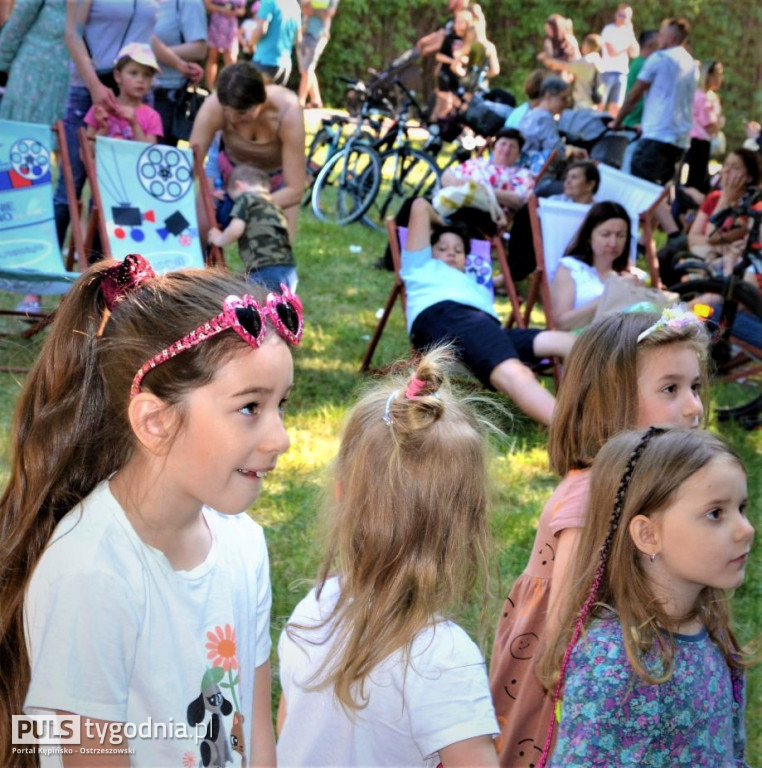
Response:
column 342, row 293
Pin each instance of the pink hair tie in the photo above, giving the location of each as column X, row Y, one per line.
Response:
column 123, row 278
column 414, row 388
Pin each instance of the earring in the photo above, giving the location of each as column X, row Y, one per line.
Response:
column 653, row 556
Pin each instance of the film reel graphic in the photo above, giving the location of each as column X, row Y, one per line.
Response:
column 30, row 159
column 165, row 173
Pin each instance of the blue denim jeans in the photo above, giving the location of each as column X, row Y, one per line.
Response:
column 271, row 277
column 78, row 101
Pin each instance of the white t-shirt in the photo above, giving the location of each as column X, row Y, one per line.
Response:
column 588, row 285
column 413, row 711
column 622, row 37
column 668, row 108
column 115, row 633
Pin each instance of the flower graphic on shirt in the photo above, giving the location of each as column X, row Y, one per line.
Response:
column 222, row 651
column 222, row 647
column 189, row 760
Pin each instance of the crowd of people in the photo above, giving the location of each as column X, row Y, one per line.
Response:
column 134, row 585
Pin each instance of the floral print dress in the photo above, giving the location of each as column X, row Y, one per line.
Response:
column 33, row 51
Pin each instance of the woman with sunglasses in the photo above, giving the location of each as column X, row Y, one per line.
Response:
column 134, row 588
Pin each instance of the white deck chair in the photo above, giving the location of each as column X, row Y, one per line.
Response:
column 554, row 224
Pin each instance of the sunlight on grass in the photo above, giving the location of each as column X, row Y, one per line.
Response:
column 342, row 293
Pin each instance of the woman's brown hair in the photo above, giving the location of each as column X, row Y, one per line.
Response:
column 581, row 246
column 71, row 429
column 240, row 86
column 407, row 531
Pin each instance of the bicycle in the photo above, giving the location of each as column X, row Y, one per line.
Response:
column 328, row 139
column 735, row 294
column 406, row 172
column 364, row 178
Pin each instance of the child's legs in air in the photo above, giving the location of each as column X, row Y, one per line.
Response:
column 518, row 382
column 513, row 378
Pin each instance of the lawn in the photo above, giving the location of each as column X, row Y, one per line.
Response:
column 342, row 295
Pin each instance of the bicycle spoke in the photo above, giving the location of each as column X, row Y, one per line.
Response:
column 405, row 173
column 346, row 186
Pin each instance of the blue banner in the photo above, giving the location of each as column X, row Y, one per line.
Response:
column 149, row 205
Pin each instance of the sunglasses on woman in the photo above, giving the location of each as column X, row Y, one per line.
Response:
column 247, row 318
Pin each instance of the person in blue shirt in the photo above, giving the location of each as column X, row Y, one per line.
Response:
column 445, row 305
column 279, row 24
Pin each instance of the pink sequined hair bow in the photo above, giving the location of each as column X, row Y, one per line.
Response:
column 123, row 278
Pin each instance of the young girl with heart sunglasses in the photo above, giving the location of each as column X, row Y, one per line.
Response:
column 134, row 586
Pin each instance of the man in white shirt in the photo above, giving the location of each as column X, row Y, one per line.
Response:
column 619, row 46
column 667, row 81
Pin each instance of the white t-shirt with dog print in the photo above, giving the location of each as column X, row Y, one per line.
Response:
column 115, row 633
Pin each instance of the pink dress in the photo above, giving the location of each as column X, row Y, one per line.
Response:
column 223, row 30
column 522, row 707
column 147, row 118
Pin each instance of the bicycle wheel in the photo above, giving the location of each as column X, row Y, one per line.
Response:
column 317, row 154
column 347, row 184
column 405, row 173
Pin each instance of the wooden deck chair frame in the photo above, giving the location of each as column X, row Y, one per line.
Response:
column 44, row 318
column 539, row 286
column 97, row 220
column 398, row 291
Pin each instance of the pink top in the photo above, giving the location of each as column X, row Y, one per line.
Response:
column 707, row 109
column 148, row 119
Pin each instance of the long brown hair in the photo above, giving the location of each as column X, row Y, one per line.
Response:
column 581, row 246
column 71, row 429
column 636, row 473
column 407, row 533
column 598, row 397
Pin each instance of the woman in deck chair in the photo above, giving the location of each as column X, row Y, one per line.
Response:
column 446, row 305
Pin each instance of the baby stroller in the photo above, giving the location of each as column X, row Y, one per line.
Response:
column 588, row 129
column 383, row 85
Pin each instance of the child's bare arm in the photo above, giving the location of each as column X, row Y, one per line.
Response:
column 232, row 233
column 422, row 216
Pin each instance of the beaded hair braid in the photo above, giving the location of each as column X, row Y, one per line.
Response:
column 595, row 588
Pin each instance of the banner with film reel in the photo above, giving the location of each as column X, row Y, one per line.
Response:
column 30, row 259
column 148, row 201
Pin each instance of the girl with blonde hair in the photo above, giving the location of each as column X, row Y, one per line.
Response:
column 373, row 670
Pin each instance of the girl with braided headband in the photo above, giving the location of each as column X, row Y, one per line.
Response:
column 644, row 665
column 134, row 587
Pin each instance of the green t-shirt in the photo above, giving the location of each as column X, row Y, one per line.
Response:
column 264, row 242
column 636, row 116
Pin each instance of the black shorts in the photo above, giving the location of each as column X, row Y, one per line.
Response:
column 481, row 342
column 655, row 160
